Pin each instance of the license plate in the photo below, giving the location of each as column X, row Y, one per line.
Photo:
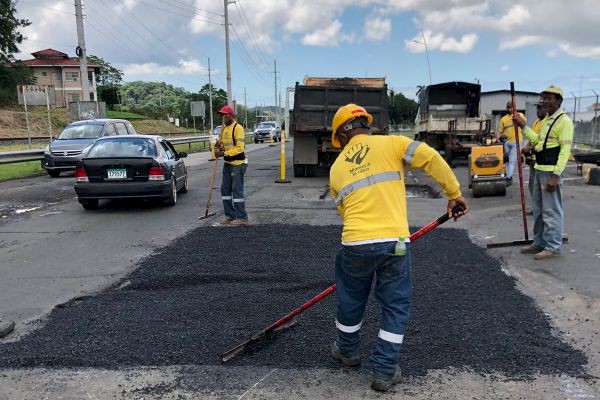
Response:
column 117, row 174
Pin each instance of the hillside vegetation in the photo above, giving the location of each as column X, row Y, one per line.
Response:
column 14, row 124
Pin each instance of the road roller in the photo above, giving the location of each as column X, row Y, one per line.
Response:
column 487, row 171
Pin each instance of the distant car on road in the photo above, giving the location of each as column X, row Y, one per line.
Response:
column 215, row 134
column 265, row 129
column 133, row 166
column 66, row 151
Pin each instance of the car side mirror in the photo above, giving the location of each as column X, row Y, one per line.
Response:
column 182, row 154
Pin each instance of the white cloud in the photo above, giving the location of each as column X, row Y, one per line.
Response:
column 504, row 68
column 183, row 67
column 521, row 41
column 580, row 51
column 441, row 42
column 329, row 36
column 378, row 29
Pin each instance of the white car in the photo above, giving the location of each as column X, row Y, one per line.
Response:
column 215, row 134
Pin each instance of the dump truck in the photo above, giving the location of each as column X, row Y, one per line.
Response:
column 448, row 119
column 316, row 102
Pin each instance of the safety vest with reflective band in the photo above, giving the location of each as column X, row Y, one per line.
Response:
column 367, row 184
column 560, row 135
column 507, row 128
column 233, row 147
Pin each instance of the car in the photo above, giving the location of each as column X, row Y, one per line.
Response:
column 132, row 166
column 265, row 130
column 215, row 134
column 74, row 141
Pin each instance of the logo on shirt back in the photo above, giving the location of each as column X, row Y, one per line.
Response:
column 356, row 154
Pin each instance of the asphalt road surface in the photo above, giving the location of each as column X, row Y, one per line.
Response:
column 137, row 300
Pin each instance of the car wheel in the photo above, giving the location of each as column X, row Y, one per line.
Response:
column 255, row 140
column 89, row 204
column 53, row 173
column 172, row 199
column 184, row 188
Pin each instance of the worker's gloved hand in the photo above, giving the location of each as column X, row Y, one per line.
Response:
column 552, row 183
column 219, row 153
column 527, row 149
column 460, row 201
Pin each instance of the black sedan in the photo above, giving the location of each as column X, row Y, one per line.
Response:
column 132, row 166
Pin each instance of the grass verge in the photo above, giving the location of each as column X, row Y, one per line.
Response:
column 20, row 170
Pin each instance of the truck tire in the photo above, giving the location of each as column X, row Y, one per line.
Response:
column 299, row 170
column 449, row 157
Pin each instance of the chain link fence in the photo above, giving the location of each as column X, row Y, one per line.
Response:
column 585, row 113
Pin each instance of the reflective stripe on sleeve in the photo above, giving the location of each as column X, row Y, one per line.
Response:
column 348, row 329
column 390, row 337
column 225, row 197
column 368, row 181
column 410, row 152
column 238, row 200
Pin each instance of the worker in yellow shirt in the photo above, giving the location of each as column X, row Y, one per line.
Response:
column 527, row 150
column 552, row 150
column 507, row 129
column 367, row 184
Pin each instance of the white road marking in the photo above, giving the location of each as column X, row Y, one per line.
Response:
column 253, row 386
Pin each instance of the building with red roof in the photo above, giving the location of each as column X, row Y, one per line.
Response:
column 52, row 67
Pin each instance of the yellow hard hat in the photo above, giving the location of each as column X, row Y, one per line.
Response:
column 554, row 89
column 344, row 114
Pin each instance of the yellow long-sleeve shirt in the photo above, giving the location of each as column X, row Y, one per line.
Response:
column 367, row 184
column 561, row 135
column 507, row 128
column 226, row 138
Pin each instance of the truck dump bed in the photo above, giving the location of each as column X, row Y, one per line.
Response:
column 315, row 104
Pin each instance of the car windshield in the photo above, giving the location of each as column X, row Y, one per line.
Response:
column 266, row 125
column 87, row 131
column 217, row 131
column 123, row 147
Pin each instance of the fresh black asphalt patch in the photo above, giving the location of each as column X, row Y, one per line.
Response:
column 215, row 287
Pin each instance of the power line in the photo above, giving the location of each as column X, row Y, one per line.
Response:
column 47, row 8
column 244, row 54
column 174, row 13
column 253, row 40
column 194, row 8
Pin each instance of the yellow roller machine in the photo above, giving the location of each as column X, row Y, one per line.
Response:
column 487, row 171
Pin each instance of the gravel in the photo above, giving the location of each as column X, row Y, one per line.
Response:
column 216, row 287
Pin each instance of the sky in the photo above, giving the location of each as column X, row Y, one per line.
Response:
column 531, row 42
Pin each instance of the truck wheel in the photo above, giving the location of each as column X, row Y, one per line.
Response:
column 449, row 157
column 256, row 141
column 299, row 170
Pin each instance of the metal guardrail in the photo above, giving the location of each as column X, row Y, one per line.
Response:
column 11, row 157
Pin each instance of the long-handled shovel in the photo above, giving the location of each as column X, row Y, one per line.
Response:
column 287, row 321
column 212, row 183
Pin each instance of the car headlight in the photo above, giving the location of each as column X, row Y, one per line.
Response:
column 47, row 150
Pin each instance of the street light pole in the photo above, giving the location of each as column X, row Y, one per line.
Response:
column 427, row 53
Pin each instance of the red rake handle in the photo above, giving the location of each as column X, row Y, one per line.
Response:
column 519, row 161
column 424, row 230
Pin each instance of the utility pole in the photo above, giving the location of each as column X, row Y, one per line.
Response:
column 276, row 108
column 81, row 51
column 245, row 110
column 226, row 4
column 210, row 97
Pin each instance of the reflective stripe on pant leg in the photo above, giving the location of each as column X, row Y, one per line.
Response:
column 353, row 279
column 393, row 292
column 237, row 190
column 226, row 191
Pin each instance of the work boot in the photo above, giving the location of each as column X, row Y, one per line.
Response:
column 384, row 385
column 238, row 221
column 531, row 249
column 546, row 255
column 351, row 361
column 225, row 221
column 508, row 181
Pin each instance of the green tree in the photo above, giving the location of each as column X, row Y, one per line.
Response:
column 402, row 109
column 108, row 75
column 11, row 73
column 10, row 36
